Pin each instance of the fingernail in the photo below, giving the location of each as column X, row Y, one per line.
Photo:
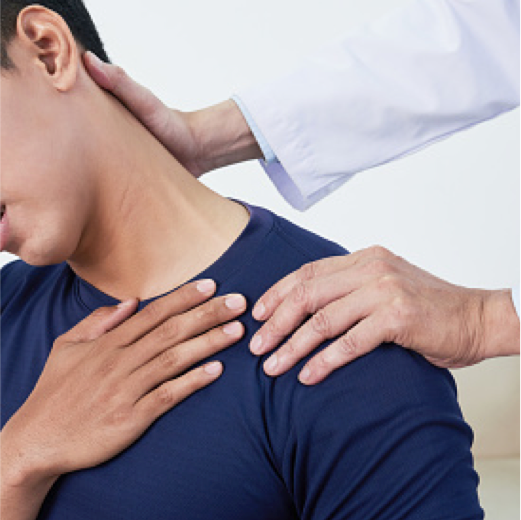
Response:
column 213, row 368
column 304, row 375
column 125, row 304
column 270, row 365
column 259, row 311
column 205, row 286
column 232, row 329
column 235, row 302
column 256, row 344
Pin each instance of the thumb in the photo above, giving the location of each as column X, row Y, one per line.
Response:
column 101, row 321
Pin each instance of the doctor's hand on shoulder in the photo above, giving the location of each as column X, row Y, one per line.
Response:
column 364, row 299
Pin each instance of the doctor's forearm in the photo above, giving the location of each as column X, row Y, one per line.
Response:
column 223, row 135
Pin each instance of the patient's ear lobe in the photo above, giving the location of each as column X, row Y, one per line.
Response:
column 49, row 40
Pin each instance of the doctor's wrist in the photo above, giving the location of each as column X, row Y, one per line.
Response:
column 500, row 325
column 223, row 136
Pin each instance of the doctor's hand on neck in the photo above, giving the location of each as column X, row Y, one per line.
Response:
column 364, row 299
column 201, row 141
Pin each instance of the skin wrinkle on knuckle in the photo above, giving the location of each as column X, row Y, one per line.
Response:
column 109, row 366
column 210, row 312
column 321, row 324
column 168, row 331
column 164, row 395
column 121, row 416
column 273, row 328
column 152, row 312
column 291, row 348
column 300, row 295
column 307, row 272
column 169, row 359
column 348, row 345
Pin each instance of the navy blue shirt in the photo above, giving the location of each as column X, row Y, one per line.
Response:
column 382, row 438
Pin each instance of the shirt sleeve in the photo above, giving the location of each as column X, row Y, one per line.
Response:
column 394, row 86
column 382, row 438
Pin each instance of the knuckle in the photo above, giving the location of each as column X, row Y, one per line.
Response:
column 389, row 283
column 210, row 311
column 321, row 324
column 108, row 366
column 121, row 416
column 379, row 267
column 168, row 331
column 164, row 395
column 377, row 251
column 291, row 348
column 348, row 345
column 301, row 295
column 152, row 312
column 307, row 272
column 168, row 359
column 272, row 327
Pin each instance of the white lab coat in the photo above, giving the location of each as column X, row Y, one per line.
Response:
column 390, row 88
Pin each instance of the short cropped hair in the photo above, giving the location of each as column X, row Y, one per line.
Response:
column 73, row 12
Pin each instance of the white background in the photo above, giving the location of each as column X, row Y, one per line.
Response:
column 452, row 209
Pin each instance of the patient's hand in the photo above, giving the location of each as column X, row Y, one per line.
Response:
column 372, row 297
column 106, row 381
column 201, row 141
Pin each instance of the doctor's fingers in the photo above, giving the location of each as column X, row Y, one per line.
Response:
column 361, row 339
column 305, row 299
column 149, row 109
column 378, row 259
column 328, row 323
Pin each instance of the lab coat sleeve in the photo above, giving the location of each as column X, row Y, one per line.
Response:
column 392, row 87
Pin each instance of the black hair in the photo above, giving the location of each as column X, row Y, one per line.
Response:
column 73, row 12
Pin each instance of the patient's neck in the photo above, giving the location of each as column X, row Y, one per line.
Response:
column 154, row 226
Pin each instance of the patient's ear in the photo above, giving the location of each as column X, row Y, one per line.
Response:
column 49, row 41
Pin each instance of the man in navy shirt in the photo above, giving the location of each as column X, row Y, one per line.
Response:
column 99, row 212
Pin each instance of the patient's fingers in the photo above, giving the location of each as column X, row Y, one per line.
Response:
column 157, row 312
column 175, row 360
column 169, row 394
column 179, row 329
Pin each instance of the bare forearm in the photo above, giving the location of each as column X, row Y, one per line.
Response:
column 23, row 487
column 224, row 135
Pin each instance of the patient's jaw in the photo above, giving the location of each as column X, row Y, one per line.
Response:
column 47, row 185
column 85, row 182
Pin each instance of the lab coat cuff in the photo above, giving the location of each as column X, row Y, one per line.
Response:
column 515, row 298
column 267, row 151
